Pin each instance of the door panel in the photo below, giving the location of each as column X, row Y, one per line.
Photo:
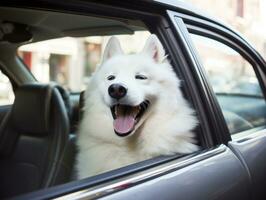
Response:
column 219, row 177
column 253, row 153
column 249, row 145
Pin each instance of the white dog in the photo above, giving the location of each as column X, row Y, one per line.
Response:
column 134, row 110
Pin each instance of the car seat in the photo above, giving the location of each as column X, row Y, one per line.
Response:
column 33, row 140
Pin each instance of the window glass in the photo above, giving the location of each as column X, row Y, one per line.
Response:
column 6, row 91
column 235, row 84
column 69, row 61
column 246, row 16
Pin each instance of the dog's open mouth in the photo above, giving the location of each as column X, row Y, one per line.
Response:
column 126, row 117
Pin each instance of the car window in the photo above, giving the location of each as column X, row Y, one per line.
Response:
column 125, row 96
column 235, row 84
column 69, row 61
column 6, row 91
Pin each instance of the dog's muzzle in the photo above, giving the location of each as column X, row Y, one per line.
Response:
column 126, row 117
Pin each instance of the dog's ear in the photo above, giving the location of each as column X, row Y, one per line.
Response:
column 154, row 49
column 112, row 48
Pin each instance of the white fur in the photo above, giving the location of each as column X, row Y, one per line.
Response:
column 165, row 129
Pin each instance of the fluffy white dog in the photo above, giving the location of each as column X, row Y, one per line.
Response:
column 134, row 110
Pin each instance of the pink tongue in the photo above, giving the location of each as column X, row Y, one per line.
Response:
column 124, row 124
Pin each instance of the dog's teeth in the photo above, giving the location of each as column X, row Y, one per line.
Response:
column 115, row 110
column 144, row 106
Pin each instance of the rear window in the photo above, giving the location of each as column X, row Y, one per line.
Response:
column 70, row 61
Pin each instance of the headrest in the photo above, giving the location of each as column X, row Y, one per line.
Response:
column 31, row 108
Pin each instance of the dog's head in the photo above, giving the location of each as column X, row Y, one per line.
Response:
column 130, row 85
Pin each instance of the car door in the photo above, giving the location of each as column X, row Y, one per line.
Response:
column 215, row 172
column 235, row 76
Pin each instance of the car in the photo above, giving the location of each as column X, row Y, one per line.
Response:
column 41, row 54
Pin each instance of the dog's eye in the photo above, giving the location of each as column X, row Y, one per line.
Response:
column 111, row 77
column 141, row 77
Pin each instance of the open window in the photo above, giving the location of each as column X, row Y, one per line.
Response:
column 67, row 48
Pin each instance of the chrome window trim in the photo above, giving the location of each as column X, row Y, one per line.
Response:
column 250, row 134
column 139, row 177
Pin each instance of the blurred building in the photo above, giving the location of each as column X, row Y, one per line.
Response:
column 246, row 16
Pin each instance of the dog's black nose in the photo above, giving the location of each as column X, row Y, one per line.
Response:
column 117, row 91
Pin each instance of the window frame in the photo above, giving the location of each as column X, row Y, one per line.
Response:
column 174, row 42
column 231, row 39
column 215, row 121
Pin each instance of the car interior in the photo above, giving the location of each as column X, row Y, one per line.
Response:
column 38, row 130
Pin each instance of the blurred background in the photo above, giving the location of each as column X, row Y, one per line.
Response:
column 248, row 17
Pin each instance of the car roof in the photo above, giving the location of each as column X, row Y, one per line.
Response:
column 45, row 24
